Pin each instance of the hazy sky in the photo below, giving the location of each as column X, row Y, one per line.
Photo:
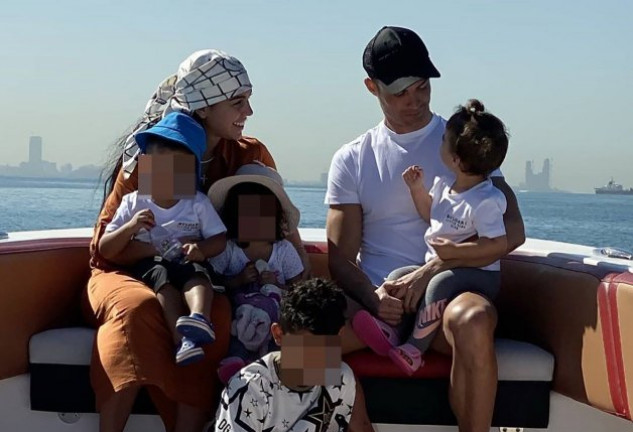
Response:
column 559, row 73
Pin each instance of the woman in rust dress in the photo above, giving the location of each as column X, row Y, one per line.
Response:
column 133, row 348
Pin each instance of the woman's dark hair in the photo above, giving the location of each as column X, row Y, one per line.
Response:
column 230, row 210
column 114, row 164
column 478, row 138
column 316, row 305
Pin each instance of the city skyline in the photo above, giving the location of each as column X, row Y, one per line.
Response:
column 557, row 74
column 37, row 167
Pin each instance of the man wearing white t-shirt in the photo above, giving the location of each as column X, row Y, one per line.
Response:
column 374, row 228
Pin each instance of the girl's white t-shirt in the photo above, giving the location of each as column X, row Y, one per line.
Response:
column 458, row 216
column 193, row 217
column 284, row 259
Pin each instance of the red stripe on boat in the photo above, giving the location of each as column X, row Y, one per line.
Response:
column 607, row 301
column 315, row 248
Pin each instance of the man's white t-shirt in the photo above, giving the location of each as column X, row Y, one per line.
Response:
column 458, row 216
column 284, row 259
column 255, row 400
column 194, row 217
column 368, row 171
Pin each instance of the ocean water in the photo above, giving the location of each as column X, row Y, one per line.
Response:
column 592, row 220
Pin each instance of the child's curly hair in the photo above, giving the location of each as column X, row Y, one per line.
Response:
column 316, row 305
column 478, row 138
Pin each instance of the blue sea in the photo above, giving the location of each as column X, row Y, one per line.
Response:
column 592, row 220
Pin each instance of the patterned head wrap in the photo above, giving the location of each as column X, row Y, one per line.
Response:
column 205, row 78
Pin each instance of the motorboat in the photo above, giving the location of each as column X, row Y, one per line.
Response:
column 564, row 343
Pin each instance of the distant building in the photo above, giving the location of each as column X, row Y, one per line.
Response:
column 37, row 167
column 324, row 179
column 35, row 150
column 537, row 182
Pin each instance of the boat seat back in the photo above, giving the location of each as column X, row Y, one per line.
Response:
column 59, row 363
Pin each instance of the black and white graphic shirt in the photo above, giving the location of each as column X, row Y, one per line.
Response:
column 255, row 400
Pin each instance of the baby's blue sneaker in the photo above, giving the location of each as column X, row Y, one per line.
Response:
column 197, row 328
column 188, row 352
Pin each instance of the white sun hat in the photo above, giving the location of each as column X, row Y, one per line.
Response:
column 260, row 174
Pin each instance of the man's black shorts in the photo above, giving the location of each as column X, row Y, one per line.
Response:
column 155, row 272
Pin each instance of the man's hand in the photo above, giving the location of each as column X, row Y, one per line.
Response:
column 389, row 308
column 192, row 253
column 142, row 219
column 413, row 177
column 445, row 249
column 413, row 285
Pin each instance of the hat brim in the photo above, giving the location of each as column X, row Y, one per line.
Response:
column 401, row 84
column 220, row 189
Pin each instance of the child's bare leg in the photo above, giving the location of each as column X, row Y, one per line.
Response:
column 173, row 307
column 198, row 296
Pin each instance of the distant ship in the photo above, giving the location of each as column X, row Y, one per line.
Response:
column 613, row 188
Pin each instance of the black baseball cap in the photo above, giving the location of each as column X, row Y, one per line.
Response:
column 397, row 57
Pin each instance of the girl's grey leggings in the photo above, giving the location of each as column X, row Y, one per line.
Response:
column 443, row 288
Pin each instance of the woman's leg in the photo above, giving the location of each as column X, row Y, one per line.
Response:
column 133, row 347
column 190, row 418
column 116, row 410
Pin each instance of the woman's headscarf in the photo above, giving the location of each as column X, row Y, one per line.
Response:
column 205, row 78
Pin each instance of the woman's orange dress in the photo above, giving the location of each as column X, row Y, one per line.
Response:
column 133, row 344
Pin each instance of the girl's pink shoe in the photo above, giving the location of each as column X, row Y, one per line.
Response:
column 377, row 335
column 407, row 357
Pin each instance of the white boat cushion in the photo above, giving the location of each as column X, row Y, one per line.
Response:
column 522, row 361
column 517, row 361
column 66, row 346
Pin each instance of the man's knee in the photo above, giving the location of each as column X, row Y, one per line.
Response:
column 471, row 322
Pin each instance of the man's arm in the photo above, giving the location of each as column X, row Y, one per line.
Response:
column 344, row 233
column 482, row 247
column 515, row 230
